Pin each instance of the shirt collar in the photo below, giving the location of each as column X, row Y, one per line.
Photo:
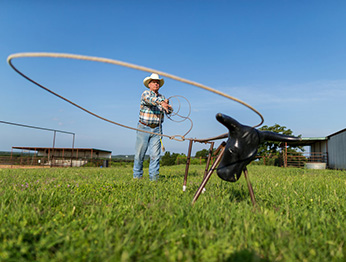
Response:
column 153, row 93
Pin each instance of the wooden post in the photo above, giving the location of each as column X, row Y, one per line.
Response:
column 72, row 149
column 285, row 155
column 53, row 148
column 11, row 157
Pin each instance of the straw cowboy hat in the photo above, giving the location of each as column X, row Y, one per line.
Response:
column 147, row 80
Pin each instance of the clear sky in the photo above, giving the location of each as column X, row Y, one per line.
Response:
column 284, row 58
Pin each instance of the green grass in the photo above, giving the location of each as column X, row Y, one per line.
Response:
column 102, row 214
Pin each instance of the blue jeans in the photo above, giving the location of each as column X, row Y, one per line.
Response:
column 144, row 142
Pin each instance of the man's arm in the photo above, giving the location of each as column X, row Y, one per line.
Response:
column 166, row 106
column 149, row 99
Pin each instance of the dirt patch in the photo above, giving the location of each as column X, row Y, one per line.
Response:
column 21, row 166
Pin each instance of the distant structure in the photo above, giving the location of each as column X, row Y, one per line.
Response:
column 61, row 157
column 330, row 150
column 336, row 150
column 42, row 128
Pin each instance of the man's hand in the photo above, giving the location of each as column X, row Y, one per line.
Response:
column 166, row 106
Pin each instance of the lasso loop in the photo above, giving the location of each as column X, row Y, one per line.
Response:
column 176, row 111
column 141, row 68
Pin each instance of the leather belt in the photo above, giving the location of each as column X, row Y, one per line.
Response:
column 151, row 126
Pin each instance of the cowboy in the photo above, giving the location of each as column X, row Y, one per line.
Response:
column 151, row 114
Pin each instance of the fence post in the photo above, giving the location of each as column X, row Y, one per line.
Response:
column 285, row 155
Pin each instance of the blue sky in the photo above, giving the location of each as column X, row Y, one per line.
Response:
column 284, row 58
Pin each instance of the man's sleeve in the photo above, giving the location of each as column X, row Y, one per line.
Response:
column 148, row 99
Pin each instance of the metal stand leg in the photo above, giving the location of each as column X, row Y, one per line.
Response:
column 208, row 162
column 212, row 169
column 252, row 195
column 209, row 158
column 187, row 165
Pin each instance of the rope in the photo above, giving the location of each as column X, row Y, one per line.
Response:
column 133, row 66
column 176, row 113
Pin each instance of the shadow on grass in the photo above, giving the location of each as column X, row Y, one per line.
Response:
column 182, row 174
column 239, row 194
column 246, row 255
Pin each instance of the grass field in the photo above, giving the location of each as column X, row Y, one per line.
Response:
column 102, row 214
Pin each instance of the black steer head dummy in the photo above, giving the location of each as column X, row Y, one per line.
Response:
column 241, row 147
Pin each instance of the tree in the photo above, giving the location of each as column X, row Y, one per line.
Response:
column 181, row 159
column 169, row 159
column 203, row 153
column 270, row 148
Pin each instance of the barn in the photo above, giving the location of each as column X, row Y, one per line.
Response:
column 63, row 157
column 336, row 148
column 330, row 150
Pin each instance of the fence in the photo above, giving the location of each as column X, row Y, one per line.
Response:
column 291, row 159
column 39, row 161
column 295, row 159
column 300, row 159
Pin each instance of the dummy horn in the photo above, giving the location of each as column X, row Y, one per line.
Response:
column 272, row 136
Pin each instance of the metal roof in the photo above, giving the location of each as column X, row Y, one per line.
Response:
column 311, row 140
column 336, row 133
column 306, row 141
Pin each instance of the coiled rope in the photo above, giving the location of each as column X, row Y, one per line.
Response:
column 133, row 66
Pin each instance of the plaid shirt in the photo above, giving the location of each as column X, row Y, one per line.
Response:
column 151, row 112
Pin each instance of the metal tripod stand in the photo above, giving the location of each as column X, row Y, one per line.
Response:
column 208, row 172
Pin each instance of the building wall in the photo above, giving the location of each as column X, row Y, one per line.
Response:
column 104, row 155
column 319, row 147
column 337, row 151
column 67, row 163
column 76, row 153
